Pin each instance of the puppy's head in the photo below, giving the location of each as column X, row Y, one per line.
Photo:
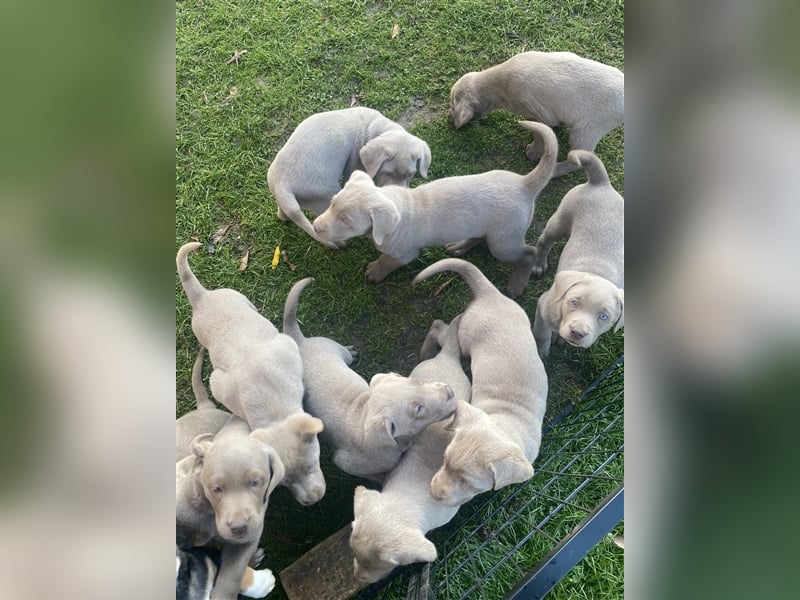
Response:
column 478, row 460
column 401, row 407
column 379, row 545
column 237, row 473
column 463, row 102
column 300, row 456
column 357, row 209
column 393, row 157
column 589, row 306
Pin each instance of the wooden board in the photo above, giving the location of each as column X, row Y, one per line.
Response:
column 323, row 573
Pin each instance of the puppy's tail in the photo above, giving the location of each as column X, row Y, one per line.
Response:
column 476, row 280
column 449, row 341
column 590, row 163
column 290, row 325
column 200, row 394
column 543, row 172
column 190, row 284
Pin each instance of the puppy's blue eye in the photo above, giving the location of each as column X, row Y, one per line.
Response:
column 603, row 317
column 255, row 483
column 573, row 303
column 217, row 489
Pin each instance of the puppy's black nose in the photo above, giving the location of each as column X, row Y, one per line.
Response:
column 239, row 529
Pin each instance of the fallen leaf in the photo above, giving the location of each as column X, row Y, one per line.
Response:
column 285, row 256
column 243, row 261
column 619, row 541
column 276, row 257
column 439, row 289
column 395, row 30
column 355, row 99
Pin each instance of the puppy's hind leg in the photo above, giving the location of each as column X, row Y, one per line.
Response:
column 522, row 272
column 378, row 269
column 580, row 138
column 535, row 149
column 557, row 228
column 430, row 346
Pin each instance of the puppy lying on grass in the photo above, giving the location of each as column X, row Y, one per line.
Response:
column 370, row 425
column 330, row 145
column 552, row 87
column 460, row 212
column 389, row 526
column 498, row 435
column 587, row 296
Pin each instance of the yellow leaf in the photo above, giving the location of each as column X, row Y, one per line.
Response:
column 276, row 257
column 395, row 30
column 243, row 261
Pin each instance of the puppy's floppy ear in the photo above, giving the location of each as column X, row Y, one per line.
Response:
column 373, row 154
column 278, row 471
column 564, row 280
column 201, row 443
column 305, row 426
column 513, row 468
column 621, row 321
column 416, row 548
column 385, row 219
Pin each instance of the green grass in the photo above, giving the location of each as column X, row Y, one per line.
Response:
column 306, row 57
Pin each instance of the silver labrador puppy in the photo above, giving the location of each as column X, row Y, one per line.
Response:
column 587, row 296
column 552, row 87
column 370, row 425
column 331, row 145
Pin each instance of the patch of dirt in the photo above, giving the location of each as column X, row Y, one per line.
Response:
column 419, row 111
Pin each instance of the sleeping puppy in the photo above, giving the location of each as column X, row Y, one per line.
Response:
column 196, row 571
column 498, row 435
column 370, row 425
column 552, row 87
column 587, row 296
column 331, row 145
column 389, row 526
column 460, row 212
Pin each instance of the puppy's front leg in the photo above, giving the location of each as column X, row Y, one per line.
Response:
column 231, row 570
column 377, row 270
column 541, row 332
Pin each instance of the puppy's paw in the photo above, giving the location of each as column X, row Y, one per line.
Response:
column 263, row 582
column 375, row 273
column 456, row 248
column 331, row 245
column 257, row 558
column 539, row 269
column 353, row 352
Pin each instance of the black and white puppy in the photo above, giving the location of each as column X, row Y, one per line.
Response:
column 196, row 570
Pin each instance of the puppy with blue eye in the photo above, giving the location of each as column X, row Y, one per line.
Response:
column 587, row 297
